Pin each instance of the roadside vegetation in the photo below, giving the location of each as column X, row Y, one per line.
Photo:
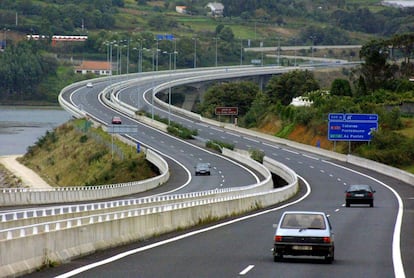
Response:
column 76, row 154
column 379, row 86
column 35, row 71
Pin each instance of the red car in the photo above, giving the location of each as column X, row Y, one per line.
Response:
column 116, row 120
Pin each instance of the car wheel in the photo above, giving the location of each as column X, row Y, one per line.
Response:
column 371, row 204
column 277, row 258
column 347, row 204
column 329, row 259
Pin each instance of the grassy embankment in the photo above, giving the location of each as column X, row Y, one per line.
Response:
column 72, row 156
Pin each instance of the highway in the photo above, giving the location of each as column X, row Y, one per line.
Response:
column 370, row 242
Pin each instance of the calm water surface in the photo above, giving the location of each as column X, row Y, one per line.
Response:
column 21, row 126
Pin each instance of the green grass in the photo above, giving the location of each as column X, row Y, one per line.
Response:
column 70, row 156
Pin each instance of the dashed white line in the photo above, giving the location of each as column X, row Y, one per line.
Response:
column 250, row 139
column 216, row 129
column 290, row 151
column 234, row 134
column 311, row 157
column 272, row 146
column 247, row 269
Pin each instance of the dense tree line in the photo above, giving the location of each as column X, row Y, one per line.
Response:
column 23, row 68
column 61, row 17
column 380, row 85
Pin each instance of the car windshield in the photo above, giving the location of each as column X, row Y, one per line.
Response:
column 359, row 187
column 203, row 166
column 303, row 221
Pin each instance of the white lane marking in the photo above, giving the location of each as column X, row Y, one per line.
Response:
column 160, row 243
column 251, row 139
column 290, row 151
column 233, row 134
column 311, row 157
column 272, row 146
column 336, row 210
column 216, row 129
column 247, row 269
column 396, row 250
column 202, row 124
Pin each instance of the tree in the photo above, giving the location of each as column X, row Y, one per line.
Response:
column 375, row 70
column 341, row 87
column 289, row 85
column 226, row 34
column 241, row 95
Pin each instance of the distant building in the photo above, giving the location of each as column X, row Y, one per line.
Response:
column 301, row 101
column 398, row 4
column 216, row 9
column 95, row 67
column 181, row 9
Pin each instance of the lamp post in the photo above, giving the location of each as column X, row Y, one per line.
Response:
column 313, row 44
column 195, row 52
column 241, row 52
column 156, row 57
column 169, row 87
column 5, row 37
column 216, row 48
column 139, row 63
column 278, row 51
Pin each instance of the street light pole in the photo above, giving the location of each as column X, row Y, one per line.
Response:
column 195, row 52
column 156, row 65
column 313, row 44
column 169, row 87
column 241, row 52
column 5, row 37
column 216, row 49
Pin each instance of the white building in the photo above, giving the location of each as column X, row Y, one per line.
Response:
column 95, row 67
column 216, row 9
column 181, row 9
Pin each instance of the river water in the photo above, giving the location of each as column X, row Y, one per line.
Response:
column 22, row 126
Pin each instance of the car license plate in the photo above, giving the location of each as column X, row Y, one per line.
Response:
column 359, row 195
column 307, row 248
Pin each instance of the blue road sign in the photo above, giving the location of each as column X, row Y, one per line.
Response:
column 352, row 127
column 168, row 37
column 351, row 131
column 353, row 117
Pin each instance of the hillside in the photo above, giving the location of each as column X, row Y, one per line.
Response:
column 75, row 155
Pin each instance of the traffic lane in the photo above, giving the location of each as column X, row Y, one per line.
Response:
column 177, row 149
column 189, row 155
column 406, row 192
column 228, row 250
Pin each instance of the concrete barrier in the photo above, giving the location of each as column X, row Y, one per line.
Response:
column 57, row 241
column 27, row 196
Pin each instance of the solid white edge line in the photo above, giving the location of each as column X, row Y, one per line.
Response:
column 160, row 243
column 396, row 250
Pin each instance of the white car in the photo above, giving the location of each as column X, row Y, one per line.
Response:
column 304, row 233
column 89, row 85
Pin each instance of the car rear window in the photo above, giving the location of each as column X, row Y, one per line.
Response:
column 303, row 221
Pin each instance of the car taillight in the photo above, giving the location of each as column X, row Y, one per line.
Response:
column 348, row 194
column 327, row 240
column 370, row 194
column 278, row 238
